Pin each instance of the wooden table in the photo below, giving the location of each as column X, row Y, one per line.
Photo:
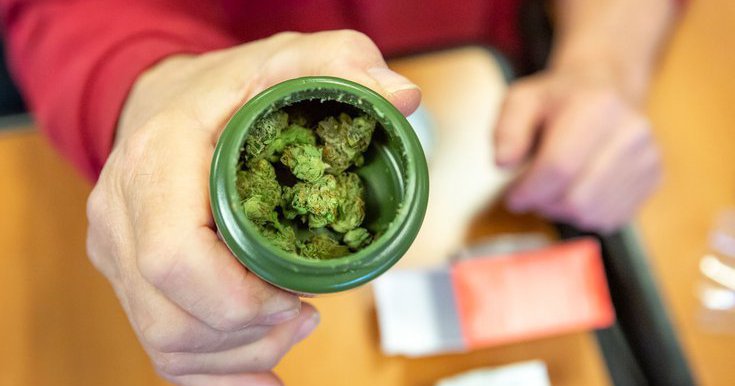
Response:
column 61, row 324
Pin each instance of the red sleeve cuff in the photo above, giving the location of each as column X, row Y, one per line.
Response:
column 76, row 61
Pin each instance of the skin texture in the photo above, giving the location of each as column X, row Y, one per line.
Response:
column 577, row 128
column 200, row 315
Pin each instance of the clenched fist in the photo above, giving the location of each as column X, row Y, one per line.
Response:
column 202, row 317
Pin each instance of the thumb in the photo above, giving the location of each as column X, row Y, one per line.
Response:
column 353, row 55
column 345, row 54
column 400, row 91
column 518, row 123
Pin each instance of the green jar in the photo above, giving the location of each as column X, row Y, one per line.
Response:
column 395, row 177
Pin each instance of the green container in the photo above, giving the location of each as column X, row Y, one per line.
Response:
column 395, row 176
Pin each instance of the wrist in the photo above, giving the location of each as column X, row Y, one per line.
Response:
column 629, row 75
column 619, row 38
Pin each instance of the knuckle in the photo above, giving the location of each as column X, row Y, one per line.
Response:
column 164, row 337
column 271, row 354
column 176, row 380
column 133, row 156
column 349, row 36
column 286, row 35
column 244, row 308
column 236, row 318
column 346, row 50
column 139, row 151
column 560, row 170
column 271, row 362
column 98, row 241
column 94, row 255
column 96, row 203
column 157, row 265
column 170, row 365
column 135, row 145
column 354, row 41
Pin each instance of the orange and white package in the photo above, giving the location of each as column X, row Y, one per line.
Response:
column 501, row 299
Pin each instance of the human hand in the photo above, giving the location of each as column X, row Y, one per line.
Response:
column 592, row 159
column 200, row 315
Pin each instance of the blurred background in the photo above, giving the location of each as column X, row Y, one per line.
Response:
column 61, row 323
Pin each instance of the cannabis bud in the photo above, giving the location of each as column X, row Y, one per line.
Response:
column 345, row 139
column 322, row 246
column 305, row 162
column 264, row 133
column 319, row 215
column 259, row 191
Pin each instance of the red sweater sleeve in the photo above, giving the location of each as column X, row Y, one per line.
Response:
column 76, row 60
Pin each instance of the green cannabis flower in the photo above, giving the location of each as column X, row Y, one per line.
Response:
column 350, row 205
column 283, row 237
column 263, row 133
column 293, row 135
column 318, row 200
column 345, row 140
column 259, row 210
column 357, row 238
column 305, row 162
column 260, row 191
column 322, row 246
column 326, row 199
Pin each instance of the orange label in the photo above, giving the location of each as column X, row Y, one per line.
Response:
column 527, row 295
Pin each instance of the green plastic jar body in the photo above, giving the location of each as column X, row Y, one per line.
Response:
column 395, row 175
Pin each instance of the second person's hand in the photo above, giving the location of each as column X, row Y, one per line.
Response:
column 592, row 159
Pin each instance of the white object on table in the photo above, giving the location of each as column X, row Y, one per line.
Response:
column 531, row 373
column 417, row 313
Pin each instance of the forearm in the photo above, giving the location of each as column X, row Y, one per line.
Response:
column 612, row 38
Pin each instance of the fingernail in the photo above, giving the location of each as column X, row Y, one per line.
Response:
column 391, row 81
column 280, row 307
column 501, row 155
column 280, row 317
column 506, row 154
column 307, row 327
